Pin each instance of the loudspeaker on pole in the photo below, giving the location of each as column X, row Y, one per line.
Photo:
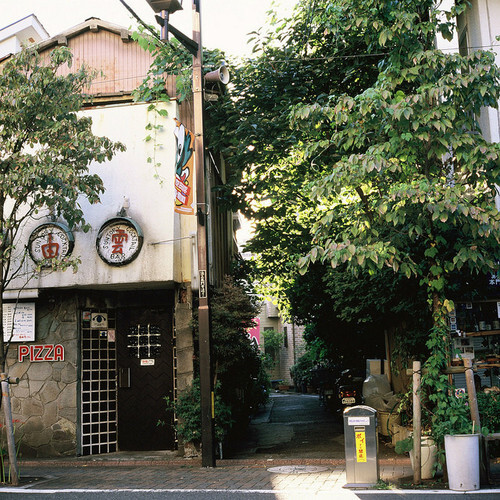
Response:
column 219, row 75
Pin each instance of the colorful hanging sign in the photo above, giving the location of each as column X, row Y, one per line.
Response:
column 184, row 169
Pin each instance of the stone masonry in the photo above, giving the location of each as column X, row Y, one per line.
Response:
column 44, row 403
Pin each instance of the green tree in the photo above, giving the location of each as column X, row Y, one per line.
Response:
column 315, row 55
column 412, row 187
column 238, row 366
column 45, row 152
column 237, row 360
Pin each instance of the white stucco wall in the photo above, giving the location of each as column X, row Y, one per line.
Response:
column 23, row 32
column 483, row 26
column 150, row 195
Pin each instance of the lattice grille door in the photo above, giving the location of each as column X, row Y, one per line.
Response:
column 98, row 383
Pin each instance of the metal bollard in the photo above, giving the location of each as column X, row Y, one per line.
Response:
column 361, row 446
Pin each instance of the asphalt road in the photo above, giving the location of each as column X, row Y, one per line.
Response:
column 297, row 427
column 239, row 495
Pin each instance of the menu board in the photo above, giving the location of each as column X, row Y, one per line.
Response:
column 21, row 318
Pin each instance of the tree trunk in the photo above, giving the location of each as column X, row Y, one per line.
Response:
column 9, row 430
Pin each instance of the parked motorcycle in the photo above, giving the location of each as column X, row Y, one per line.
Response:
column 348, row 390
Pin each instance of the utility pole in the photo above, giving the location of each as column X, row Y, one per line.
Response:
column 195, row 47
column 205, row 337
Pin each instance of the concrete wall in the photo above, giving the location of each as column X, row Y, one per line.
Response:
column 149, row 193
column 26, row 31
column 482, row 24
column 295, row 348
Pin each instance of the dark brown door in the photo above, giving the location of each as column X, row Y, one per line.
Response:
column 145, row 377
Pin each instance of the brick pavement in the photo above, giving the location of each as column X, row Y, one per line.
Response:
column 254, row 475
column 128, row 473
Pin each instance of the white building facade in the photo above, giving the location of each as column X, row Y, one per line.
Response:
column 101, row 347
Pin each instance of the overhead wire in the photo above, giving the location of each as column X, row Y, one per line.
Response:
column 280, row 61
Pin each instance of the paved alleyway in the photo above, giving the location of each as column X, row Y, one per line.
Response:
column 296, row 426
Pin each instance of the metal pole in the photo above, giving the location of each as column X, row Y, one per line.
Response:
column 206, row 379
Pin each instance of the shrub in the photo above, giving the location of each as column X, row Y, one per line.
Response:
column 187, row 410
column 489, row 410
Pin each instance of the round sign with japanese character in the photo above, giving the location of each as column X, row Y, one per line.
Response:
column 49, row 242
column 119, row 241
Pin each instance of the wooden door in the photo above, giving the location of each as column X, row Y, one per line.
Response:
column 145, row 377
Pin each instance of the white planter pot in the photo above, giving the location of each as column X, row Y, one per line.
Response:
column 462, row 461
column 428, row 457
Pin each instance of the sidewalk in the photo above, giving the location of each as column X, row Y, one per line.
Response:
column 126, row 471
column 155, row 471
column 288, row 478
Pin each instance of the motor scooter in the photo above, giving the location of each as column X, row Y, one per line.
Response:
column 349, row 390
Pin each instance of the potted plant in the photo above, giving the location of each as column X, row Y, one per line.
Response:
column 428, row 446
column 428, row 457
column 461, row 446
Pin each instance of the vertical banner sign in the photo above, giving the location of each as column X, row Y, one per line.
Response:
column 360, row 438
column 184, row 169
column 203, row 284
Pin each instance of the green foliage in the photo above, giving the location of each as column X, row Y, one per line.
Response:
column 187, row 411
column 324, row 53
column 489, row 410
column 168, row 59
column 237, row 363
column 273, row 341
column 46, row 149
column 412, row 186
column 404, row 446
column 301, row 371
column 384, row 174
column 403, row 200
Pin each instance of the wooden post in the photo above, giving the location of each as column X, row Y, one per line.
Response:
column 388, row 357
column 471, row 393
column 11, row 444
column 417, row 424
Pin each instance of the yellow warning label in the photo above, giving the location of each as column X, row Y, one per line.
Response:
column 360, row 438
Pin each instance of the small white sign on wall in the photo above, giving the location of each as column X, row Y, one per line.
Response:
column 19, row 322
column 99, row 320
column 358, row 420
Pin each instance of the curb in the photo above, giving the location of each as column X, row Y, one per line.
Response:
column 188, row 462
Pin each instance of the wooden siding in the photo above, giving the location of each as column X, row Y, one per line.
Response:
column 121, row 64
